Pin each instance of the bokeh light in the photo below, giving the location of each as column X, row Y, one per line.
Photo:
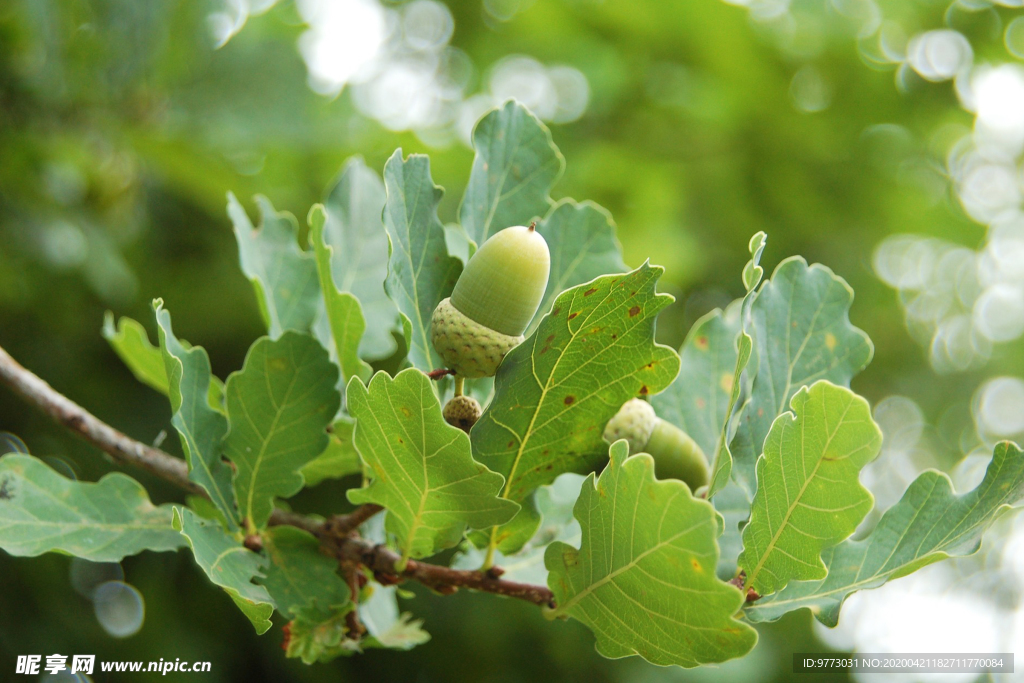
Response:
column 1000, row 408
column 119, row 608
column 401, row 70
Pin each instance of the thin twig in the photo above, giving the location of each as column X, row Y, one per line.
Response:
column 342, row 525
column 336, row 534
column 69, row 414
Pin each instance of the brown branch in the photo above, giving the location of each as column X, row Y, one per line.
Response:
column 80, row 421
column 383, row 561
column 343, row 525
column 337, row 534
column 353, row 624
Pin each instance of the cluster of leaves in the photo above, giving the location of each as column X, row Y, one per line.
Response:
column 650, row 567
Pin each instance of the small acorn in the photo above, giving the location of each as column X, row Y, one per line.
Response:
column 494, row 300
column 676, row 455
column 462, row 412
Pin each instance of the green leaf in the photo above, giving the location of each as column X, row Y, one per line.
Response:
column 643, row 579
column 279, row 406
column 510, row 538
column 283, row 275
column 734, row 506
column 802, row 332
column 200, row 427
column 42, row 511
column 555, row 391
column 130, row 341
column 458, row 242
column 554, row 504
column 359, row 261
column 343, row 310
column 421, row 273
column 722, row 460
column 421, row 468
column 808, row 495
column 205, row 508
column 698, row 400
column 930, row 523
column 581, row 238
column 730, row 499
column 339, row 460
column 516, row 164
column 228, row 564
column 300, row 576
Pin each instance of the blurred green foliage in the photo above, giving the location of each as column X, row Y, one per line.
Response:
column 122, row 128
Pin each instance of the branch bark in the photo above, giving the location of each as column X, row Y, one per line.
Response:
column 383, row 562
column 80, row 421
column 337, row 534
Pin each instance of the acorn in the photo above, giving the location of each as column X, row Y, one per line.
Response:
column 494, row 301
column 676, row 455
column 462, row 412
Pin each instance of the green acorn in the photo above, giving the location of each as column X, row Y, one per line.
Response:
column 462, row 412
column 494, row 300
column 676, row 455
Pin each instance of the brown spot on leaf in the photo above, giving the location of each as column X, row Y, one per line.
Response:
column 635, row 311
column 644, row 390
column 570, row 399
column 702, row 343
column 573, row 315
column 590, row 291
column 550, row 338
column 556, row 311
column 511, row 444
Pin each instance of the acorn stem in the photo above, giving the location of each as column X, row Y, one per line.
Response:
column 459, row 382
column 491, row 545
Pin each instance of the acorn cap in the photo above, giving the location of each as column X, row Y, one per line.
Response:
column 504, row 281
column 676, row 455
column 634, row 422
column 466, row 346
column 462, row 412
